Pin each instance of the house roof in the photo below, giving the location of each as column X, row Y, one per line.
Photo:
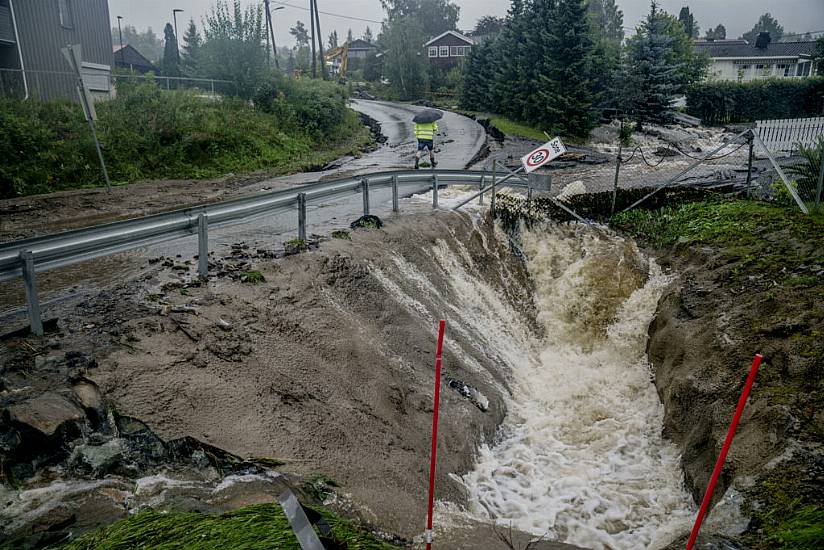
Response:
column 742, row 49
column 131, row 57
column 456, row 34
column 360, row 44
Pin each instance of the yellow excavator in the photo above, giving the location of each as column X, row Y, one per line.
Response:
column 341, row 52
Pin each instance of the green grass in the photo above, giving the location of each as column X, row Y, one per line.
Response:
column 510, row 127
column 261, row 526
column 147, row 133
column 253, row 277
column 759, row 237
column 787, row 520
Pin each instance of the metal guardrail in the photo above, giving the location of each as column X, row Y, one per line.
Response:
column 25, row 258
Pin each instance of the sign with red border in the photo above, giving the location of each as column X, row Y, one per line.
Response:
column 543, row 154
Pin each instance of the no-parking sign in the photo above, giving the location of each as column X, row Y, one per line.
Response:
column 543, row 154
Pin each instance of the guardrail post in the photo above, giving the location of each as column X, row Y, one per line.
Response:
column 203, row 246
column 494, row 179
column 302, row 216
column 435, row 191
column 365, row 191
column 395, row 202
column 32, row 302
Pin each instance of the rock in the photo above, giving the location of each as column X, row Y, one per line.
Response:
column 97, row 460
column 80, row 360
column 224, row 325
column 47, row 362
column 367, row 222
column 9, row 439
column 88, row 394
column 45, row 413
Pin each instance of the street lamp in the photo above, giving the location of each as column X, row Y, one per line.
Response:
column 174, row 16
column 120, row 32
column 272, row 29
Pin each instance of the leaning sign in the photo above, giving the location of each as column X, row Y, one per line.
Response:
column 543, row 154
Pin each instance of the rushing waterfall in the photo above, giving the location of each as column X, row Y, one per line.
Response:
column 580, row 457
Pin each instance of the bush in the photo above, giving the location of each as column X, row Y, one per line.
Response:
column 149, row 133
column 730, row 102
column 317, row 108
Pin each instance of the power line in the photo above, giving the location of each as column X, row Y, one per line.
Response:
column 329, row 13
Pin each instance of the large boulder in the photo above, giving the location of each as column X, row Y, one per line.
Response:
column 45, row 413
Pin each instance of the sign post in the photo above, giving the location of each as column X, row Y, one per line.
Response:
column 74, row 55
column 434, row 435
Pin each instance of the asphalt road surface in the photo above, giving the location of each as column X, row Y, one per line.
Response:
column 459, row 140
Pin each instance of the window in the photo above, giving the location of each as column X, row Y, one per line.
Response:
column 745, row 67
column 759, row 67
column 433, row 51
column 444, row 51
column 459, row 51
column 65, row 9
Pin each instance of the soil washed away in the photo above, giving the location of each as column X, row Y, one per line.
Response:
column 580, row 457
column 323, row 364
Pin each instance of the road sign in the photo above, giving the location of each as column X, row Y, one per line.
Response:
column 543, row 154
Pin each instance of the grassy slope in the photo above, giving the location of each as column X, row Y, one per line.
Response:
column 253, row 527
column 509, row 127
column 775, row 252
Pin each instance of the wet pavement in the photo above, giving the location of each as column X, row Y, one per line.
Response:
column 459, row 141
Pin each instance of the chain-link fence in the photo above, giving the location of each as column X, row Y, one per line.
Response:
column 48, row 85
column 664, row 158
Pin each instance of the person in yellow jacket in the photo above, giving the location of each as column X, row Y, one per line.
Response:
column 425, row 134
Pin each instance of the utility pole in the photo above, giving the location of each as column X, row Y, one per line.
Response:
column 177, row 36
column 271, row 24
column 320, row 42
column 120, row 32
column 314, row 34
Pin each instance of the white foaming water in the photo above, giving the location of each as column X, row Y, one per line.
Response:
column 580, row 457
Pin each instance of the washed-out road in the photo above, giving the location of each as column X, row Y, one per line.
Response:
column 459, row 141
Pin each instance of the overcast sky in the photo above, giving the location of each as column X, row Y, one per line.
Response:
column 738, row 16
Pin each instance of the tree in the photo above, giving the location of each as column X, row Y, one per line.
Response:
column 367, row 35
column 405, row 68
column 818, row 56
column 171, row 55
column 718, row 33
column 333, row 40
column 300, row 33
column 566, row 89
column 766, row 23
column 192, row 43
column 146, row 42
column 488, row 24
column 434, row 16
column 652, row 55
column 233, row 45
column 689, row 24
column 350, row 37
column 608, row 20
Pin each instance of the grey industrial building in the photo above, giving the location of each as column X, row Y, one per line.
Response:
column 32, row 32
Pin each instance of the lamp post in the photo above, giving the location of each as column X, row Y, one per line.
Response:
column 120, row 32
column 174, row 16
column 272, row 29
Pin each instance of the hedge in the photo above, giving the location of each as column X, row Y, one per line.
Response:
column 717, row 103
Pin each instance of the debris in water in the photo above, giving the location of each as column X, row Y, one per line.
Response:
column 475, row 397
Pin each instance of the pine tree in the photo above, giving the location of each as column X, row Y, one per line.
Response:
column 658, row 78
column 367, row 35
column 350, row 37
column 718, row 33
column 333, row 40
column 171, row 55
column 192, row 42
column 566, row 95
column 687, row 20
column 478, row 78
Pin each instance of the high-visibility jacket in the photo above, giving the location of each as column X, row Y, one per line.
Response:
column 426, row 131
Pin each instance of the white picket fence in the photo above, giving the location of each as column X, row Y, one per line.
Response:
column 784, row 135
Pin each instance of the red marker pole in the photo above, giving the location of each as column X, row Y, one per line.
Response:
column 434, row 434
column 702, row 512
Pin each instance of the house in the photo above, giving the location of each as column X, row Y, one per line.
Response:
column 130, row 59
column 449, row 49
column 361, row 49
column 31, row 36
column 740, row 61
